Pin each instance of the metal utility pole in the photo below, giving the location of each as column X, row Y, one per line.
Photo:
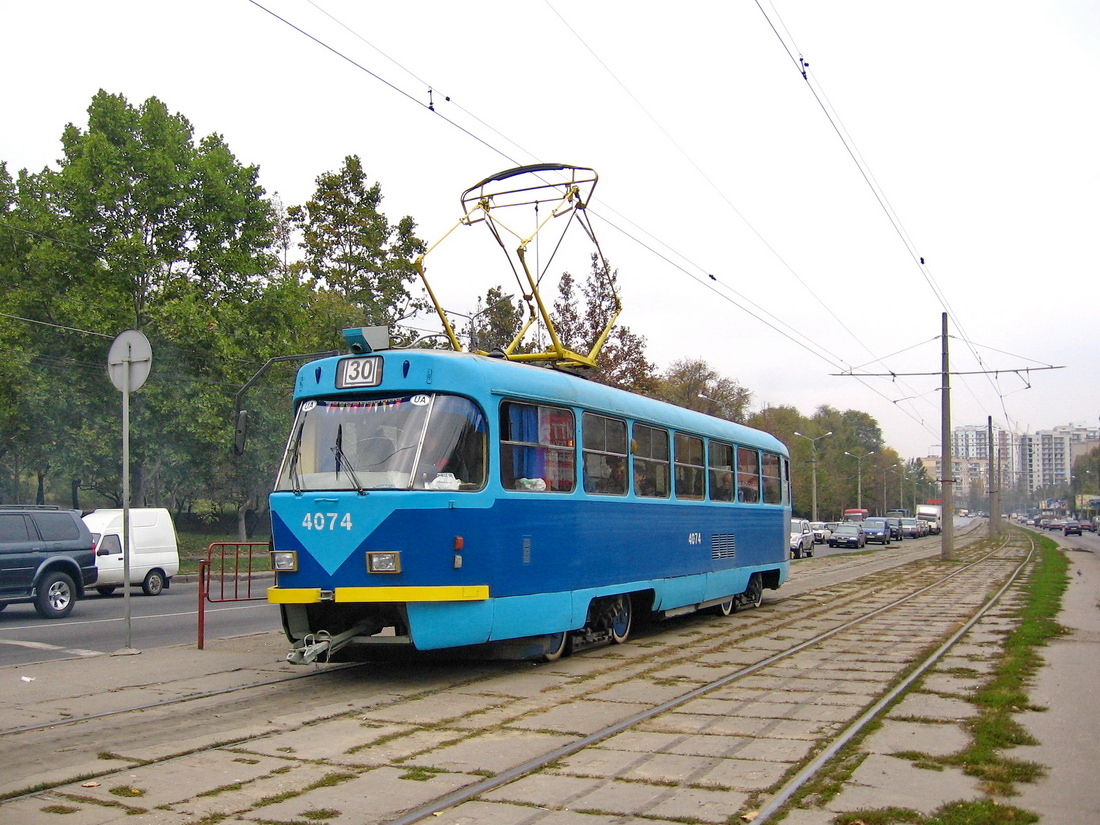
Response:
column 994, row 504
column 859, row 484
column 947, row 471
column 813, row 464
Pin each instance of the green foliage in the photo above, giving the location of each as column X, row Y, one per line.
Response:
column 143, row 226
column 579, row 323
column 352, row 250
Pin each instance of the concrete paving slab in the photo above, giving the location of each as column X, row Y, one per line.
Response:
column 948, row 683
column 619, row 798
column 901, row 737
column 737, row 726
column 546, row 789
column 886, row 781
column 584, row 718
column 930, row 706
column 431, row 710
column 345, row 741
column 494, row 751
column 166, row 783
column 291, row 778
column 815, row 816
column 490, row 813
column 47, row 809
column 698, row 805
column 743, row 774
column 374, row 796
column 643, row 692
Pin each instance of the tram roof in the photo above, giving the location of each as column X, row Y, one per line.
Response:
column 480, row 377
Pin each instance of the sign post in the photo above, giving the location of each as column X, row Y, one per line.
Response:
column 128, row 363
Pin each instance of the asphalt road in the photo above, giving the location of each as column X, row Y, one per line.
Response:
column 97, row 624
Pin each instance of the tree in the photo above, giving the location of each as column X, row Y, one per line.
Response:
column 621, row 362
column 694, row 384
column 137, row 217
column 352, row 250
column 496, row 322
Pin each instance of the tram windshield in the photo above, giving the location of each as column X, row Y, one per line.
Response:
column 407, row 442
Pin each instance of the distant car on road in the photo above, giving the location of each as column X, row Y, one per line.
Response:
column 877, row 529
column 1070, row 526
column 895, row 527
column 848, row 534
column 802, row 538
column 1087, row 524
column 822, row 531
column 911, row 528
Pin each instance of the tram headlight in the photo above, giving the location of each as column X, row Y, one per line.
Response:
column 284, row 561
column 388, row 562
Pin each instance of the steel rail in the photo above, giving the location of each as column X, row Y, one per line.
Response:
column 814, row 767
column 465, row 794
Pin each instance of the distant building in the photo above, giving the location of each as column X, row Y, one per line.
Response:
column 1024, row 461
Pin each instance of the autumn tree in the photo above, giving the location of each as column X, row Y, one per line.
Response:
column 581, row 320
column 694, row 384
column 352, row 250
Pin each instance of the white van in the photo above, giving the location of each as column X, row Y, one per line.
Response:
column 154, row 555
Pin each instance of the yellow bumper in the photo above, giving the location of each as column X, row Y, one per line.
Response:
column 449, row 593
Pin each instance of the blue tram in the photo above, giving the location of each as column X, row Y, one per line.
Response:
column 440, row 499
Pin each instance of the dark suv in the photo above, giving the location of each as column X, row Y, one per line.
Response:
column 46, row 556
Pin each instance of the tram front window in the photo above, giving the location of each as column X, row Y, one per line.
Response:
column 423, row 441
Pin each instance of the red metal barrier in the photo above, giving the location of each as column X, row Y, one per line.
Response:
column 227, row 574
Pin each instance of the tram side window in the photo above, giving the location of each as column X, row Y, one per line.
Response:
column 604, row 454
column 537, row 451
column 689, row 467
column 788, row 496
column 748, row 476
column 721, row 471
column 651, row 460
column 773, row 481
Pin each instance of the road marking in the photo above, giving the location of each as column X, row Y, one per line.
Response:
column 34, row 645
column 74, row 651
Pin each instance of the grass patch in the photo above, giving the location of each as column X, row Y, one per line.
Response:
column 127, row 792
column 1005, row 693
column 980, row 812
column 320, row 814
column 420, row 774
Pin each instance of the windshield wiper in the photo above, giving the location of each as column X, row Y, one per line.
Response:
column 295, row 481
column 341, row 458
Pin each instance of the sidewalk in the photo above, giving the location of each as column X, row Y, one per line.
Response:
column 1069, row 687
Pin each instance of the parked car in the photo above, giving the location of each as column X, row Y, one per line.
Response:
column 822, row 531
column 911, row 528
column 877, row 529
column 46, row 557
column 802, row 538
column 848, row 534
column 154, row 555
column 895, row 527
column 1071, row 527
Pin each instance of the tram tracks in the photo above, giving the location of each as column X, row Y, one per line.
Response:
column 522, row 728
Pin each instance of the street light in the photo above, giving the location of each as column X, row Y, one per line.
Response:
column 859, row 485
column 813, row 463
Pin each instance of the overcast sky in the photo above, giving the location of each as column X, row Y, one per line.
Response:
column 976, row 125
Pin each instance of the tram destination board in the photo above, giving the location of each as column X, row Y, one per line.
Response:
column 358, row 372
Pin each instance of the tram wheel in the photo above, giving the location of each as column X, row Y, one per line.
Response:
column 621, row 619
column 726, row 608
column 754, row 593
column 559, row 647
